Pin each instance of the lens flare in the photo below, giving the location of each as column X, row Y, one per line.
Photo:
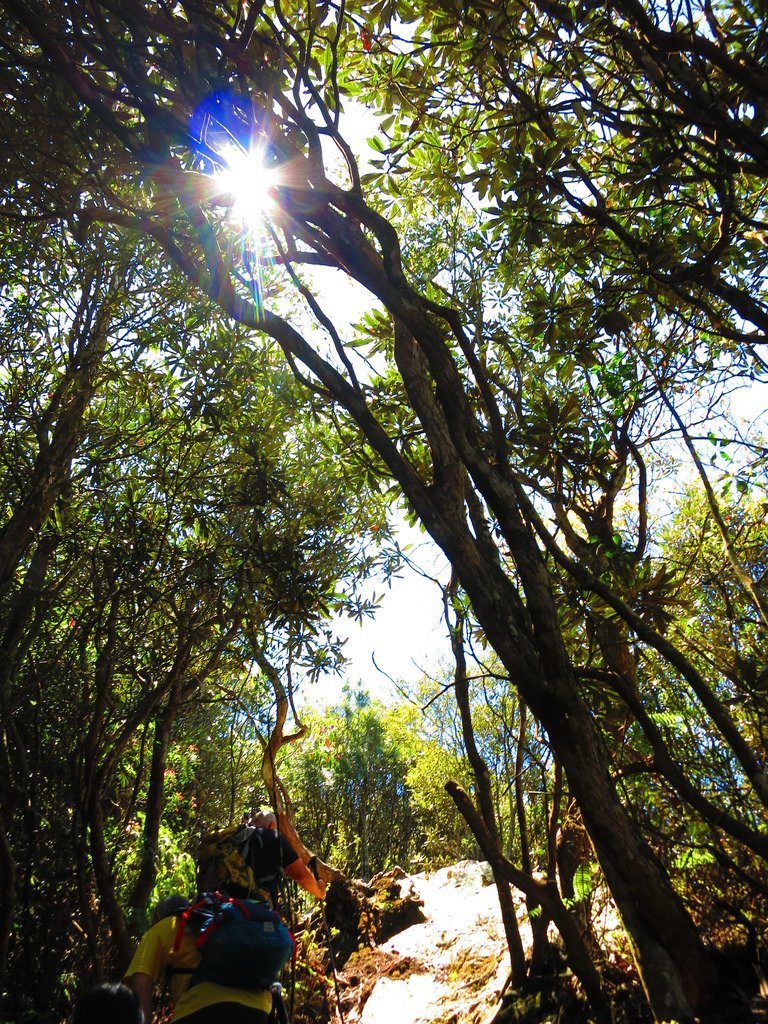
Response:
column 248, row 186
column 231, row 148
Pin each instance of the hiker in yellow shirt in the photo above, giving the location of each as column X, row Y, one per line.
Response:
column 168, row 950
column 203, row 1003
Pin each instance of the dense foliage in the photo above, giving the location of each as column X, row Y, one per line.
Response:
column 562, row 237
column 367, row 786
column 191, row 526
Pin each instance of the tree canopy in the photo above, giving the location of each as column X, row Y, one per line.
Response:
column 562, row 238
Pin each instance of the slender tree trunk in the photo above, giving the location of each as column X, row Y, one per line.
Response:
column 14, row 766
column 105, row 881
column 573, row 853
column 68, row 403
column 280, row 799
column 522, row 817
column 538, row 918
column 484, row 795
column 365, row 868
column 544, row 893
column 7, row 900
column 82, row 866
column 145, row 879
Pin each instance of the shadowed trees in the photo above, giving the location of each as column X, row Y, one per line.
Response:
column 528, row 358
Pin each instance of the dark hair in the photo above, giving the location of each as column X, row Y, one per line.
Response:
column 169, row 906
column 112, row 1003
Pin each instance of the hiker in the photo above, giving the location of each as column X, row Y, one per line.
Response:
column 168, row 949
column 168, row 906
column 265, row 824
column 114, row 1003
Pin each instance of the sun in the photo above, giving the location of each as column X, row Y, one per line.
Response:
column 247, row 185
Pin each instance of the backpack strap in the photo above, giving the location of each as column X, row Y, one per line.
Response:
column 264, row 845
column 242, row 907
column 183, row 918
column 207, row 900
column 170, row 969
column 210, row 901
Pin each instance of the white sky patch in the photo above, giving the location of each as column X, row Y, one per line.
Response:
column 407, row 637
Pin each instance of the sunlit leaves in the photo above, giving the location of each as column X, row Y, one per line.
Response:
column 349, row 784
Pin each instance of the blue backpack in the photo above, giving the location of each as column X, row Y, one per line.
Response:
column 242, row 943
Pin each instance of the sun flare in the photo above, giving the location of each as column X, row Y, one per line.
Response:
column 248, row 186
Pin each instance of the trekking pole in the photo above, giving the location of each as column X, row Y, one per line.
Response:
column 279, row 1014
column 312, row 865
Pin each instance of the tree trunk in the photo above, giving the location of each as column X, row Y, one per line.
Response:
column 145, row 880
column 484, row 795
column 670, row 957
column 105, row 881
column 539, row 917
column 14, row 767
column 543, row 893
column 52, row 465
column 365, row 870
column 7, row 899
column 281, row 801
column 573, row 852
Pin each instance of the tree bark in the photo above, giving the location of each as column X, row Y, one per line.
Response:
column 145, row 879
column 670, row 957
column 280, row 799
column 105, row 881
column 7, row 898
column 70, row 401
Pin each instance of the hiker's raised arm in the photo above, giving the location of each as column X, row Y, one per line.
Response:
column 300, row 873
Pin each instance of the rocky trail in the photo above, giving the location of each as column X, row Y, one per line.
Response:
column 430, row 949
column 451, row 966
column 449, row 963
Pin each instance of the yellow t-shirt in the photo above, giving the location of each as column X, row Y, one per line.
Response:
column 155, row 952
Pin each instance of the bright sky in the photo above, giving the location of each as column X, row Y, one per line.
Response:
column 407, row 638
column 404, row 641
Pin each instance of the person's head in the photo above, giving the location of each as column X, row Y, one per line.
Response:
column 169, row 906
column 109, row 1004
column 263, row 819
